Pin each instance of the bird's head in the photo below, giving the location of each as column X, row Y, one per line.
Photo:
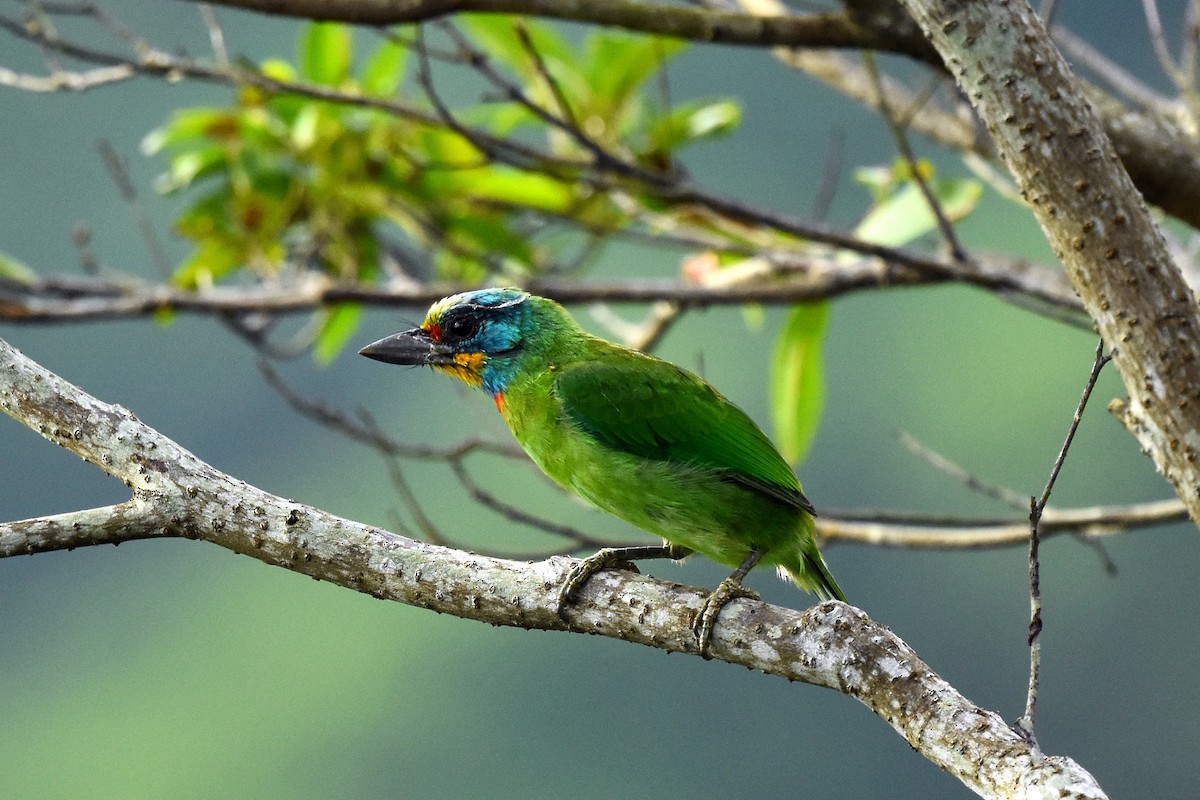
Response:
column 478, row 337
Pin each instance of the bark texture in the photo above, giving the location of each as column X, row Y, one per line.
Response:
column 833, row 645
column 1055, row 147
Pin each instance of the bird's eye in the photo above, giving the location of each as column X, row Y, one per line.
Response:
column 462, row 327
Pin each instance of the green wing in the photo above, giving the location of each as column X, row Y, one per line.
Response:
column 651, row 408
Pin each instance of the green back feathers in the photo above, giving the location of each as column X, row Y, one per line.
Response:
column 651, row 408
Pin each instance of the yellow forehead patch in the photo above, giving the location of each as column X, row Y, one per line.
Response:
column 439, row 308
column 467, row 367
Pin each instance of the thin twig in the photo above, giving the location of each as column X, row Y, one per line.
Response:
column 408, row 497
column 367, row 431
column 812, row 277
column 922, row 531
column 539, row 65
column 1037, row 506
column 960, row 474
column 118, row 170
column 1162, row 50
column 216, row 34
column 897, row 126
column 1116, row 77
column 830, row 175
column 579, row 539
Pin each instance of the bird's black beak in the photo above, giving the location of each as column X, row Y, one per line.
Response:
column 413, row 347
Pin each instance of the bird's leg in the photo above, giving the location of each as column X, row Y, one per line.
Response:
column 730, row 588
column 622, row 557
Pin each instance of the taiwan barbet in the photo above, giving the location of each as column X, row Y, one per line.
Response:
column 636, row 436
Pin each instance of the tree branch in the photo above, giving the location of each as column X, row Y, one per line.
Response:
column 1160, row 157
column 680, row 22
column 832, row 645
column 1092, row 215
column 888, row 530
column 797, row 278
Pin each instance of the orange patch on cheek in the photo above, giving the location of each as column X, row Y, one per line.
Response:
column 467, row 367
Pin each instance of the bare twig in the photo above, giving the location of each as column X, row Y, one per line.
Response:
column 1110, row 72
column 830, row 176
column 1037, row 507
column 539, row 64
column 927, row 532
column 970, row 480
column 58, row 80
column 897, row 124
column 216, row 34
column 1162, row 50
column 809, row 278
column 118, row 170
column 681, row 22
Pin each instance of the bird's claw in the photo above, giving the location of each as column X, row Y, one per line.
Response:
column 582, row 571
column 706, row 617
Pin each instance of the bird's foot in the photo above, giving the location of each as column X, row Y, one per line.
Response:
column 706, row 618
column 585, row 568
column 729, row 589
column 610, row 557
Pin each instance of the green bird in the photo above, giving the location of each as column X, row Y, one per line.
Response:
column 637, row 436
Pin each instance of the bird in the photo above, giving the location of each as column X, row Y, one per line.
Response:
column 639, row 437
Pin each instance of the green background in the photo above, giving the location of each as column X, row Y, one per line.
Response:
column 176, row 669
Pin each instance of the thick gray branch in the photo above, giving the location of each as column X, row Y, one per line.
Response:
column 1054, row 145
column 832, row 645
column 681, row 22
column 125, row 522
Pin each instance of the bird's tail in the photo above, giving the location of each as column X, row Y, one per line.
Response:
column 827, row 588
column 812, row 575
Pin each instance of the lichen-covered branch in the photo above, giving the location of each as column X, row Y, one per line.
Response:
column 834, row 645
column 1055, row 147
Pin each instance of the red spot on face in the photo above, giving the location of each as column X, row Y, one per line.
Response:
column 435, row 332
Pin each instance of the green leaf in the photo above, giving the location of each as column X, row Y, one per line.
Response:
column 189, row 166
column 798, row 380
column 618, row 63
column 496, row 35
column 278, row 69
column 325, row 51
column 341, row 321
column 517, row 188
column 212, row 260
column 383, row 74
column 904, row 215
column 489, row 235
column 693, row 121
column 189, row 124
column 15, row 270
column 306, row 127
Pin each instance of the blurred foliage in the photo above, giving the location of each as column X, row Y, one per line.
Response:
column 899, row 214
column 15, row 270
column 282, row 179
